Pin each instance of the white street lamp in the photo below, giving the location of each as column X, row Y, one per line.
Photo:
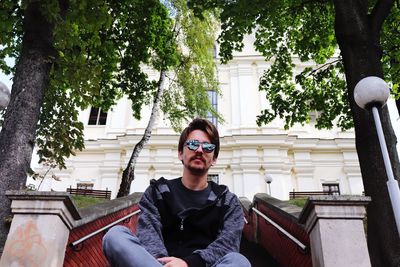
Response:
column 268, row 179
column 4, row 96
column 373, row 92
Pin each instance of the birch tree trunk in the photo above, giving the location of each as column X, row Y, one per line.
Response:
column 128, row 174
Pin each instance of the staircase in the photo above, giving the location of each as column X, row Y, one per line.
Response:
column 275, row 234
column 257, row 256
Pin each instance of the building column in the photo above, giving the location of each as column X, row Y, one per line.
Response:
column 280, row 184
column 248, row 99
column 305, row 178
column 238, row 183
column 354, row 179
column 276, row 164
column 235, row 98
column 110, row 170
column 353, row 174
column 252, row 180
column 335, row 226
column 39, row 230
column 302, row 164
column 351, row 166
column 110, row 179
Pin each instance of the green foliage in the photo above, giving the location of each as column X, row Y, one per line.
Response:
column 10, row 32
column 390, row 42
column 300, row 202
column 61, row 132
column 102, row 46
column 289, row 30
column 83, row 201
column 187, row 95
column 322, row 91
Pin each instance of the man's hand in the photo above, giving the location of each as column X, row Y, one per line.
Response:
column 172, row 262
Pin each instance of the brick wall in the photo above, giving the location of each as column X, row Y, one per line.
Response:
column 279, row 246
column 89, row 253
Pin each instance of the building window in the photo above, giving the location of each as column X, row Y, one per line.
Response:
column 332, row 189
column 97, row 117
column 213, row 97
column 88, row 186
column 213, row 177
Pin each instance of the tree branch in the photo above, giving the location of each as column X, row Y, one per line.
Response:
column 323, row 66
column 378, row 15
column 308, row 2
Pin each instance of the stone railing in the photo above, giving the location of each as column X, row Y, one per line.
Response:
column 327, row 232
column 48, row 230
column 273, row 225
column 336, row 229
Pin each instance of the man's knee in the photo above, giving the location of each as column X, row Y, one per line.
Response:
column 116, row 237
column 237, row 259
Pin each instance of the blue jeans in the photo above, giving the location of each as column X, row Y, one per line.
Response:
column 123, row 249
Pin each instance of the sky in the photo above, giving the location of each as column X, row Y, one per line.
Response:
column 4, row 78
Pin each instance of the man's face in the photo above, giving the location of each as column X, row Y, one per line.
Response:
column 198, row 161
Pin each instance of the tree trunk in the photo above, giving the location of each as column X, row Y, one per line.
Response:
column 129, row 173
column 30, row 82
column 358, row 36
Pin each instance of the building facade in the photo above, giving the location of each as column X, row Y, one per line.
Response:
column 301, row 158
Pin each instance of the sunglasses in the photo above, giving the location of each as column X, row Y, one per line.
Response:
column 194, row 145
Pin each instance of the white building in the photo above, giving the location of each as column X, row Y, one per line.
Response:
column 301, row 159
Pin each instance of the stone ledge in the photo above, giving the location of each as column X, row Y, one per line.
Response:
column 290, row 211
column 94, row 212
column 38, row 202
column 333, row 207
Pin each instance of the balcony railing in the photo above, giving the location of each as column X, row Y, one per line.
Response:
column 90, row 192
column 305, row 194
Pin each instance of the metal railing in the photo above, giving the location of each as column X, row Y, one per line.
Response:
column 283, row 231
column 74, row 244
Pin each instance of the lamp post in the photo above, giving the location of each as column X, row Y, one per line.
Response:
column 268, row 179
column 372, row 93
column 4, row 96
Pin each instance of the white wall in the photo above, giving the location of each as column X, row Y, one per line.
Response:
column 301, row 158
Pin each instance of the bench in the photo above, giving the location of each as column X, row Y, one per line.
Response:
column 90, row 192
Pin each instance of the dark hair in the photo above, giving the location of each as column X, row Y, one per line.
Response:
column 205, row 126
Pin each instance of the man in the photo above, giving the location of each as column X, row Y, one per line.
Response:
column 187, row 221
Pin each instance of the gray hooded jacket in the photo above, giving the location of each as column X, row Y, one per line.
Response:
column 200, row 237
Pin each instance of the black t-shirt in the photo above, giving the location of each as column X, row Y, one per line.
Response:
column 189, row 199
